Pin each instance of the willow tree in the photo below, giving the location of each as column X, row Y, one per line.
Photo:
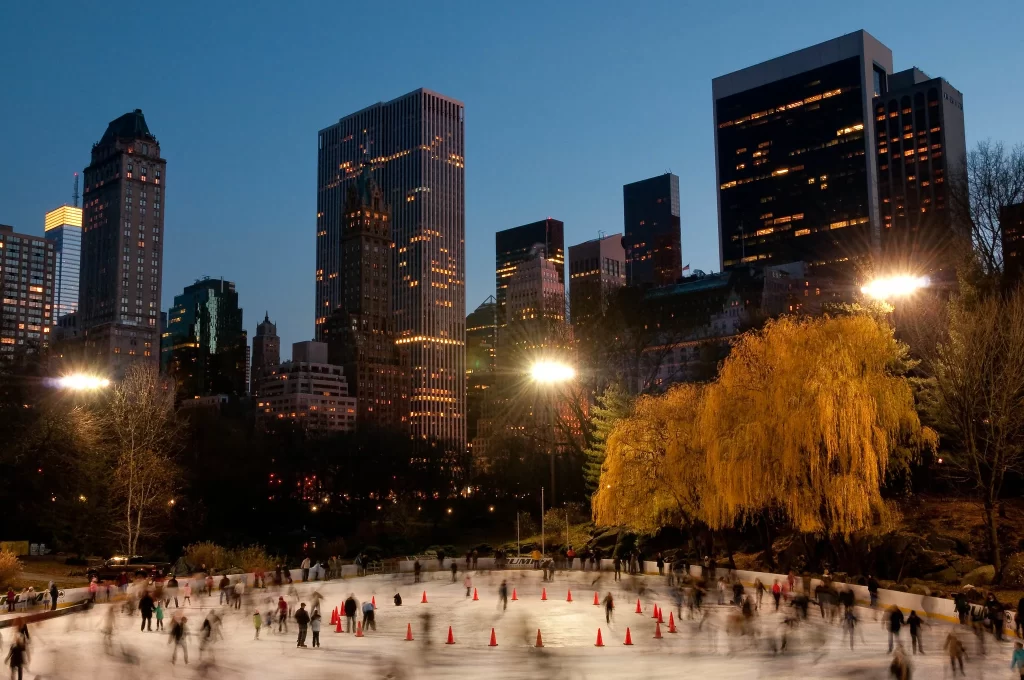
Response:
column 651, row 472
column 807, row 418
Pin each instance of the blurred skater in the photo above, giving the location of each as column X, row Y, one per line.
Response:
column 609, row 605
column 955, row 649
column 178, row 639
column 314, row 625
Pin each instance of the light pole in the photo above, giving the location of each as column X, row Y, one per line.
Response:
column 547, row 373
column 891, row 287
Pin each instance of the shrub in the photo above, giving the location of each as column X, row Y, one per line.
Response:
column 218, row 558
column 214, row 556
column 1013, row 572
column 252, row 558
column 10, row 567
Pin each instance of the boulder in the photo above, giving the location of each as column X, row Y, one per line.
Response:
column 920, row 589
column 899, row 588
column 964, row 565
column 928, row 561
column 947, row 575
column 982, row 576
column 941, row 543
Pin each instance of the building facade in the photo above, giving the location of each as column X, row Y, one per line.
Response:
column 1011, row 224
column 481, row 343
column 122, row 245
column 266, row 352
column 920, row 140
column 27, row 266
column 652, row 239
column 306, row 391
column 521, row 244
column 414, row 145
column 63, row 226
column 596, row 268
column 204, row 346
column 360, row 332
column 795, row 156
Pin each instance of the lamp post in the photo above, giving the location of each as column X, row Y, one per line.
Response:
column 889, row 288
column 550, row 374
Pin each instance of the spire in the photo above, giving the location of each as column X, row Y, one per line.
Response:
column 266, row 316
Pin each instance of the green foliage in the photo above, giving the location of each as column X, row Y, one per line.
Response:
column 10, row 567
column 611, row 407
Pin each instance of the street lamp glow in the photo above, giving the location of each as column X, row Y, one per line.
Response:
column 551, row 372
column 894, row 286
column 83, row 382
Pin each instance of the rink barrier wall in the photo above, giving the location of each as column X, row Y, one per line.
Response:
column 36, row 617
column 932, row 607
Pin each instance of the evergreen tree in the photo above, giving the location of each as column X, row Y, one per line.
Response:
column 610, row 407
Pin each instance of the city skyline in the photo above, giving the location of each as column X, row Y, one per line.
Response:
column 223, row 208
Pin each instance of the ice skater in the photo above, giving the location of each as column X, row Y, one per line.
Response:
column 468, row 582
column 609, row 605
column 503, row 594
column 369, row 616
column 314, row 625
column 895, row 622
column 17, row 656
column 178, row 638
column 351, row 607
column 914, row 622
column 146, row 605
column 302, row 619
column 955, row 649
column 257, row 623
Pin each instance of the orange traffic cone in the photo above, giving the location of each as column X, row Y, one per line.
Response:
column 359, row 629
column 540, row 642
column 597, row 603
column 424, row 600
column 569, row 596
column 657, row 630
column 655, row 614
column 408, row 632
column 671, row 623
column 338, row 628
column 475, row 598
column 600, row 642
column 373, row 601
column 629, row 638
column 660, row 619
column 494, row 640
column 451, row 638
column 638, row 609
column 334, row 616
column 514, row 598
column 543, row 593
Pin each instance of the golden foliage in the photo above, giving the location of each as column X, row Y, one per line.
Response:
column 805, row 419
column 10, row 567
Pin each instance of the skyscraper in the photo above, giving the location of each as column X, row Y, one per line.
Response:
column 795, row 157
column 203, row 347
column 26, row 286
column 122, row 231
column 919, row 133
column 521, row 244
column 481, row 341
column 596, row 268
column 360, row 332
column 266, row 352
column 414, row 145
column 652, row 240
column 63, row 227
column 1011, row 226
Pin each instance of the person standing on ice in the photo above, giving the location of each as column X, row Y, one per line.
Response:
column 146, row 605
column 305, row 569
column 1017, row 660
column 302, row 620
column 955, row 649
column 895, row 621
column 849, row 625
column 777, row 593
column 178, row 639
column 282, row 614
column 570, row 555
column 503, row 594
column 617, row 565
column 468, row 582
column 257, row 623
column 186, row 594
column 609, row 605
column 455, row 569
column 314, row 625
column 351, row 607
column 417, row 568
column 660, row 561
column 914, row 622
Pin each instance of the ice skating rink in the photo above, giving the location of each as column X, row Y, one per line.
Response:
column 74, row 646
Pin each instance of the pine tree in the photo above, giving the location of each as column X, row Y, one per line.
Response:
column 610, row 407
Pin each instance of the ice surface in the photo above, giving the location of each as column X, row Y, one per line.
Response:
column 73, row 646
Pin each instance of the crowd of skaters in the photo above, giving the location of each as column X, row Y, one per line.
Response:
column 153, row 599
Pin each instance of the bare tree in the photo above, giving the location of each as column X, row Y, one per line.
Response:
column 975, row 396
column 144, row 437
column 991, row 178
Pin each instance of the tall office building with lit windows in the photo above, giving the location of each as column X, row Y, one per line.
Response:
column 414, row 145
column 522, row 244
column 122, row 236
column 63, row 227
column 920, row 139
column 652, row 239
column 26, row 286
column 795, row 157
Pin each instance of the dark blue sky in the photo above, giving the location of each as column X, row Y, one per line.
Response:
column 565, row 102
